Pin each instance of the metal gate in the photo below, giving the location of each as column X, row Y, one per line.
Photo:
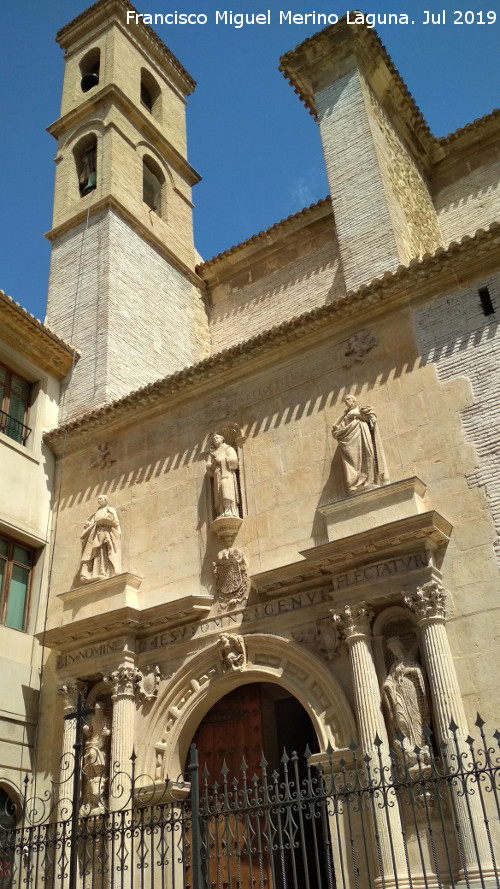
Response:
column 315, row 823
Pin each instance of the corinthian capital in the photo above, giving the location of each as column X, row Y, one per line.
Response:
column 124, row 681
column 428, row 602
column 354, row 621
column 69, row 692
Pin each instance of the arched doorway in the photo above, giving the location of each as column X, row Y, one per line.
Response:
column 268, row 849
column 254, row 719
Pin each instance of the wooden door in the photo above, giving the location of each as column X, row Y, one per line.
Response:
column 231, row 731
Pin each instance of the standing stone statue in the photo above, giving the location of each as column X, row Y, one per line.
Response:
column 360, row 446
column 404, row 698
column 221, row 466
column 100, row 544
column 95, row 764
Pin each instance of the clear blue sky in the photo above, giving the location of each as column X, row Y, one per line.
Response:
column 253, row 142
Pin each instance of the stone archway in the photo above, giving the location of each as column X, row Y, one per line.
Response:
column 204, row 679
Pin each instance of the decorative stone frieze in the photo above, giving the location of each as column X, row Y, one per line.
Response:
column 100, row 456
column 232, row 578
column 321, row 636
column 357, row 347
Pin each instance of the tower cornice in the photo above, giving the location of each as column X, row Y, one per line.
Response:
column 103, row 12
column 145, row 123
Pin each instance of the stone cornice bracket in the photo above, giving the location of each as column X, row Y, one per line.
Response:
column 355, row 621
column 428, row 603
column 124, row 681
column 69, row 692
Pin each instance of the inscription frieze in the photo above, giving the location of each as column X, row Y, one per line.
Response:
column 99, row 649
column 236, row 618
column 378, row 571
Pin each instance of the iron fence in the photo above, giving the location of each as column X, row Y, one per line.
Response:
column 405, row 818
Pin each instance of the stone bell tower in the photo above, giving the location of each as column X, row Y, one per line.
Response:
column 122, row 284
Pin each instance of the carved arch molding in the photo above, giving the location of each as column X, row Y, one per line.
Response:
column 204, row 680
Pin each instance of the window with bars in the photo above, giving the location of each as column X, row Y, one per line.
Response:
column 16, row 563
column 14, row 404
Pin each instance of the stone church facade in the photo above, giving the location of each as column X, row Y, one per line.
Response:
column 275, row 470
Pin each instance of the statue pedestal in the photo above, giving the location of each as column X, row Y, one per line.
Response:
column 226, row 528
column 374, row 508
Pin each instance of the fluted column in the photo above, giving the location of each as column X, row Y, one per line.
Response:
column 355, row 627
column 69, row 692
column 124, row 684
column 429, row 605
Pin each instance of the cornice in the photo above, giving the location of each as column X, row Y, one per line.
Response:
column 313, row 56
column 27, row 335
column 145, row 124
column 102, row 11
column 447, row 268
column 337, row 43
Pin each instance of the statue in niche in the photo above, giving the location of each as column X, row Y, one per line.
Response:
column 221, row 466
column 232, row 651
column 100, row 544
column 404, row 698
column 95, row 764
column 360, row 447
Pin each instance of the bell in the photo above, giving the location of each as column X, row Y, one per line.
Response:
column 88, row 81
column 91, row 184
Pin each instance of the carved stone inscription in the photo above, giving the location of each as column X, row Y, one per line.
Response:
column 378, row 571
column 90, row 652
column 236, row 618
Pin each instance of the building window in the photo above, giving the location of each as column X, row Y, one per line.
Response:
column 152, row 182
column 14, row 403
column 16, row 562
column 150, row 93
column 86, row 164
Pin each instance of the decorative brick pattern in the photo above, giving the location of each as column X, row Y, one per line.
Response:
column 454, row 333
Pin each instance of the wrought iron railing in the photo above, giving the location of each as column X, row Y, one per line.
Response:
column 409, row 818
column 14, row 428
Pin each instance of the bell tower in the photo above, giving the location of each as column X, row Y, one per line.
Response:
column 122, row 283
